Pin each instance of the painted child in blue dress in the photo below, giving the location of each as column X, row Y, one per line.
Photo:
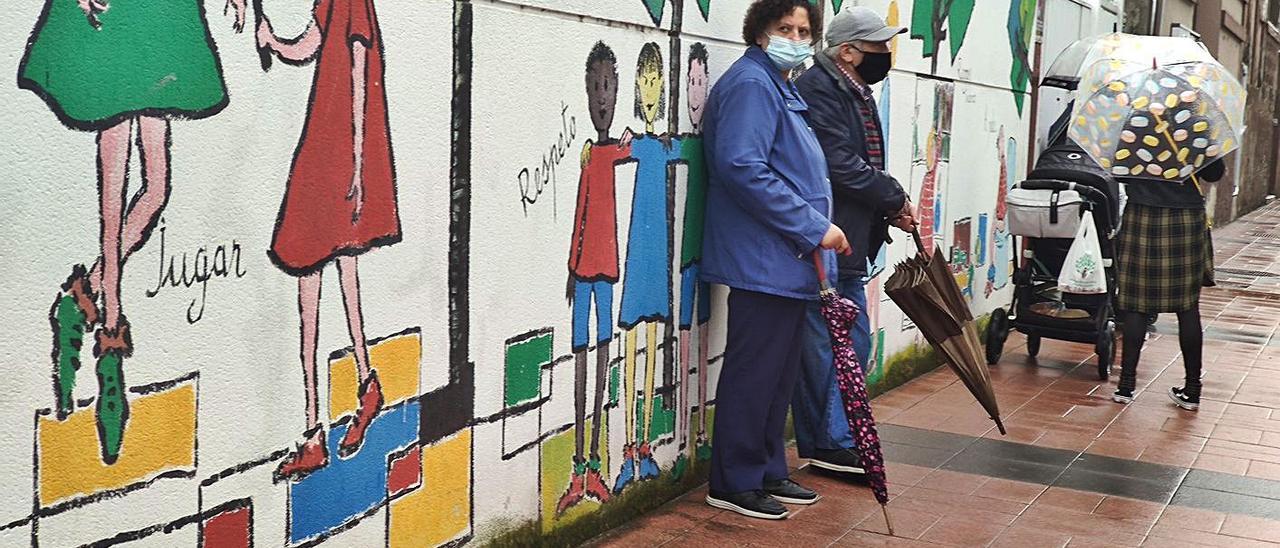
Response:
column 646, row 279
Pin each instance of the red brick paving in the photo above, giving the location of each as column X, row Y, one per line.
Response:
column 1055, row 400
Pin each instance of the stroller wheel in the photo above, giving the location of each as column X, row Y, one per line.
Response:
column 1106, row 349
column 1033, row 345
column 997, row 333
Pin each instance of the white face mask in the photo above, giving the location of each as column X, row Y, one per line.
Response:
column 787, row 53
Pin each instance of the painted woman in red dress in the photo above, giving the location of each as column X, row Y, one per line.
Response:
column 340, row 200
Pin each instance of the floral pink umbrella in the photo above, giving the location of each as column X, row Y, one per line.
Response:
column 840, row 313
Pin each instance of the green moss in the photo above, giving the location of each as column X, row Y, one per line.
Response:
column 635, row 501
column 903, row 366
column 913, row 361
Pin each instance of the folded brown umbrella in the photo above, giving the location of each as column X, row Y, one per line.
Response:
column 926, row 291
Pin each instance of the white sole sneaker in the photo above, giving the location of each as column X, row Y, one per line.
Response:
column 726, row 505
column 789, row 500
column 835, row 467
column 1122, row 399
column 1183, row 404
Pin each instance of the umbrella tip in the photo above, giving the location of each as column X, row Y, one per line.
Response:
column 1000, row 426
column 887, row 522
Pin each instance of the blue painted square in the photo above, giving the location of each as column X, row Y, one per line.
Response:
column 347, row 488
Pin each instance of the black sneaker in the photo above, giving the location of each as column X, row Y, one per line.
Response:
column 790, row 492
column 755, row 504
column 840, row 460
column 1122, row 397
column 1181, row 399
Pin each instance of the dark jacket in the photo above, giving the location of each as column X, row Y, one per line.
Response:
column 864, row 195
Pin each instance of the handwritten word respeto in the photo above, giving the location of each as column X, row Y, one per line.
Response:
column 533, row 182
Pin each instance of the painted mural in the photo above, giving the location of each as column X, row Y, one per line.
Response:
column 350, row 279
column 1022, row 23
column 936, row 21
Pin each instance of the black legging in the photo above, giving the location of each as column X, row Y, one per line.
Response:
column 1190, row 339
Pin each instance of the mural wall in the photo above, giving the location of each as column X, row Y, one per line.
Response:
column 368, row 273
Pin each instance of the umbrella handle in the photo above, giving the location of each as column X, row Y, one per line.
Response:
column 915, row 235
column 823, row 282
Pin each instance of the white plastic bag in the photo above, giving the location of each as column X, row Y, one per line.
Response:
column 1082, row 272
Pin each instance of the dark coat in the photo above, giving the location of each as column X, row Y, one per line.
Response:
column 864, row 196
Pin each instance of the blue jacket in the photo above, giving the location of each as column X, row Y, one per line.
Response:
column 768, row 197
column 864, row 195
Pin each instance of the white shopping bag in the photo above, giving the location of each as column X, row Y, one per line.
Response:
column 1082, row 272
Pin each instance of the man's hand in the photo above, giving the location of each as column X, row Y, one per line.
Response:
column 836, row 240
column 905, row 218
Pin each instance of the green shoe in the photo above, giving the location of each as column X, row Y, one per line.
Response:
column 678, row 470
column 74, row 311
column 112, row 411
column 68, row 323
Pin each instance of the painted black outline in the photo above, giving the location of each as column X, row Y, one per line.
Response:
column 519, row 339
column 401, row 455
column 244, row 467
column 466, row 535
column 77, row 502
column 346, row 351
column 167, row 528
column 244, row 503
column 675, row 58
column 112, row 121
column 355, row 520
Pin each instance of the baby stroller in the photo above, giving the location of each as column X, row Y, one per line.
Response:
column 1044, row 212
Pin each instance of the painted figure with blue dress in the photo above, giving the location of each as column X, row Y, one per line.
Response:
column 646, row 277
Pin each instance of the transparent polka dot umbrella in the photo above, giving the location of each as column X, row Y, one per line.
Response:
column 1156, row 108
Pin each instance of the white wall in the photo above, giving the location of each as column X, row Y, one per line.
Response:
column 478, row 464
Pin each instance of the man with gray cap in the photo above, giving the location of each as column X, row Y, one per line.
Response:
column 843, row 114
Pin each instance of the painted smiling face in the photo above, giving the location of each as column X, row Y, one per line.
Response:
column 650, row 100
column 602, row 86
column 698, row 87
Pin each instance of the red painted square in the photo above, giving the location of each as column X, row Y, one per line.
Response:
column 405, row 472
column 230, row 529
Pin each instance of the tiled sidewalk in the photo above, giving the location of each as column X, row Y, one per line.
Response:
column 1075, row 469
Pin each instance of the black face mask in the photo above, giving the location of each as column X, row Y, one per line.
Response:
column 875, row 67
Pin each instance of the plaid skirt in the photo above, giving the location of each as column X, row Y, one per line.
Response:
column 1163, row 257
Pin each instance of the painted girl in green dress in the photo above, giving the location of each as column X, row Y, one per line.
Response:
column 122, row 69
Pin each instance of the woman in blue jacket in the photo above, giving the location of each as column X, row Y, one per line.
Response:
column 768, row 210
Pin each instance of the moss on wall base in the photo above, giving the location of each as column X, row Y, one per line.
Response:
column 913, row 361
column 636, row 501
column 903, row 366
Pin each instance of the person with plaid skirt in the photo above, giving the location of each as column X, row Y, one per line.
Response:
column 1164, row 255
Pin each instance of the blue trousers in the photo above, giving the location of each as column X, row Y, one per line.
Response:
column 817, row 408
column 761, row 364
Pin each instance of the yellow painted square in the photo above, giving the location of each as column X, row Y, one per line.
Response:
column 440, row 510
column 397, row 361
column 159, row 437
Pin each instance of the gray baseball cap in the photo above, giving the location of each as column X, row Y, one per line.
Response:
column 860, row 23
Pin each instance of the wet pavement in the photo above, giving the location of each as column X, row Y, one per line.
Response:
column 1075, row 469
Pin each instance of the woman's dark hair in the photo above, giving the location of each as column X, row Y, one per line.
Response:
column 763, row 13
column 650, row 59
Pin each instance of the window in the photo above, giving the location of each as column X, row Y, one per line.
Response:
column 1273, row 12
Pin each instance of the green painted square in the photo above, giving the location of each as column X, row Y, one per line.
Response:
column 524, row 362
column 664, row 420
